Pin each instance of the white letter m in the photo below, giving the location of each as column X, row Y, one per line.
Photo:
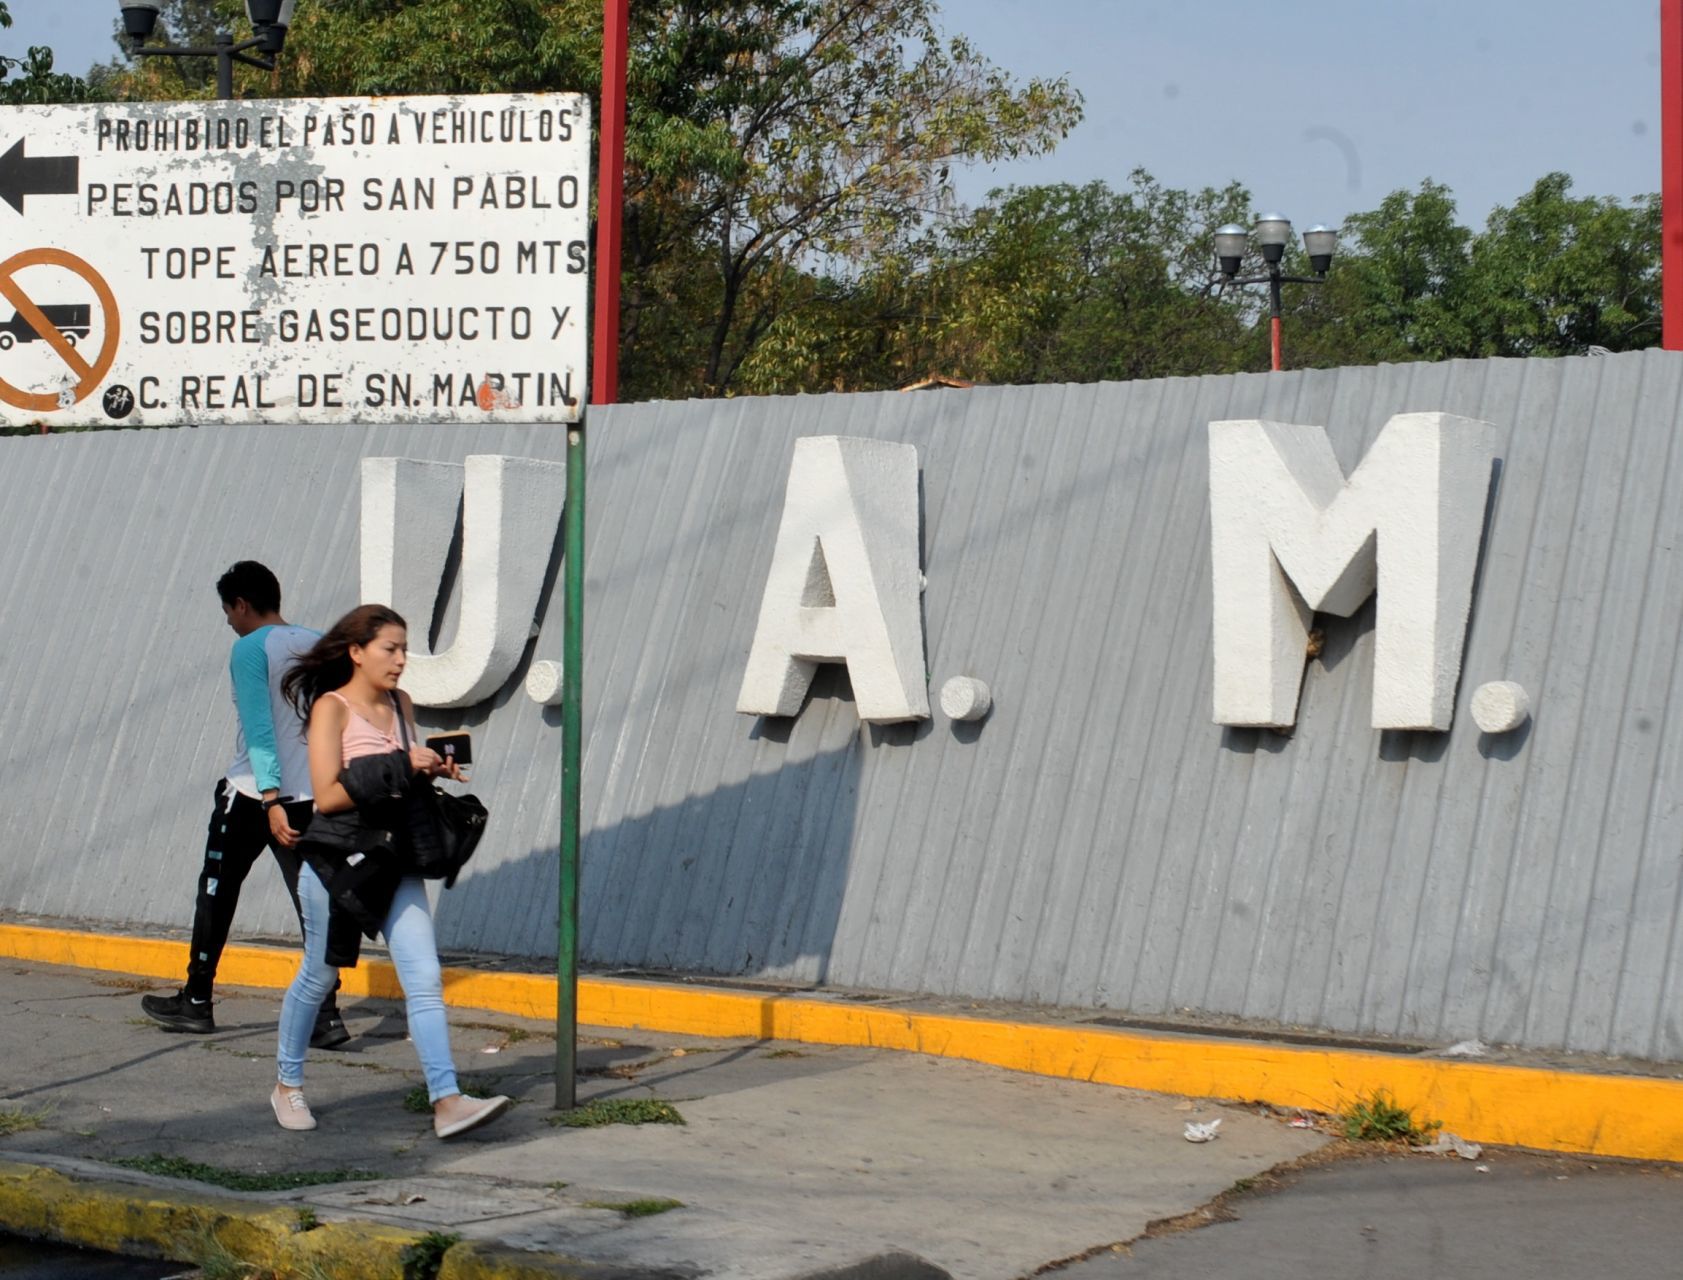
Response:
column 1289, row 535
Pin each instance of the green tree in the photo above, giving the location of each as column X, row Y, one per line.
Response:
column 1042, row 284
column 442, row 46
column 380, row 47
column 807, row 132
column 1399, row 288
column 1063, row 283
column 769, row 141
column 1556, row 275
column 1551, row 275
column 31, row 78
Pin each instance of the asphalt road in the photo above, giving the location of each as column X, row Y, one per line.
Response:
column 1411, row 1217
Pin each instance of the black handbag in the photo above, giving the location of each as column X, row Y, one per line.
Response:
column 444, row 828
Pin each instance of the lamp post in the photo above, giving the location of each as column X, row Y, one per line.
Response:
column 269, row 21
column 1272, row 234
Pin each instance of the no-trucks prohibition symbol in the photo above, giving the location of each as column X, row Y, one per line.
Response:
column 87, row 374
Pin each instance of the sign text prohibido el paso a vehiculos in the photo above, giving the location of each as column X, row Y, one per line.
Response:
column 329, row 260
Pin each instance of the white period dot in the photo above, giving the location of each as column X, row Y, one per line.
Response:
column 1500, row 706
column 966, row 698
column 543, row 683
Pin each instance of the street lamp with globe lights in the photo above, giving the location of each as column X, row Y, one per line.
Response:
column 269, row 22
column 1272, row 233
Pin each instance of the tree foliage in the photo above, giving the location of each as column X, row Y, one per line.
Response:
column 1550, row 275
column 1041, row 284
column 1399, row 288
column 767, row 139
column 791, row 221
column 1557, row 275
column 31, row 78
column 805, row 132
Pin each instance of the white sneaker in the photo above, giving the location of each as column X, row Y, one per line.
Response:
column 488, row 1109
column 291, row 1109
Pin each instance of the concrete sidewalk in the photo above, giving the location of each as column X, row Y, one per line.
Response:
column 791, row 1160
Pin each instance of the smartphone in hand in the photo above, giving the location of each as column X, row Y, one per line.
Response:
column 453, row 747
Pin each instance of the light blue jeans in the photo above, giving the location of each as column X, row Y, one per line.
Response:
column 409, row 937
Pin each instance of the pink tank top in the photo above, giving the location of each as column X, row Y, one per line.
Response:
column 362, row 736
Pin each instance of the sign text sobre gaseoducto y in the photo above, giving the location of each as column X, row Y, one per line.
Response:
column 340, row 260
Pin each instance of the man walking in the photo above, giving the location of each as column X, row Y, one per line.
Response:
column 264, row 801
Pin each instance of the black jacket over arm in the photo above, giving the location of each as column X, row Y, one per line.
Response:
column 361, row 854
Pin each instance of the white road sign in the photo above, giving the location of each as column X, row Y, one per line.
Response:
column 311, row 260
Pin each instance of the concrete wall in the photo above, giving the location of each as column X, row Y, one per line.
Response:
column 1097, row 841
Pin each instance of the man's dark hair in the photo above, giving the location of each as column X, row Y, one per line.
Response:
column 253, row 583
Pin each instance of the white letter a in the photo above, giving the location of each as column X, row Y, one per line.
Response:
column 844, row 584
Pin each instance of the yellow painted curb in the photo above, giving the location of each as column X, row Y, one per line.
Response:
column 1628, row 1116
column 187, row 1225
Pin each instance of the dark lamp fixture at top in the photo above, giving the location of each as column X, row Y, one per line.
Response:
column 269, row 22
column 270, row 19
column 139, row 17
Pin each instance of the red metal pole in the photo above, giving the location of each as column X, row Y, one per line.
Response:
column 604, row 389
column 1274, row 327
column 610, row 200
column 1671, row 173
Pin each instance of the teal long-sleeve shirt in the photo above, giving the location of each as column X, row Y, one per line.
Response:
column 270, row 754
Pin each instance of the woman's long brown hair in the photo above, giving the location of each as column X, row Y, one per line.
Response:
column 327, row 663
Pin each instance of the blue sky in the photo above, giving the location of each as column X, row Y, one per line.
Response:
column 1485, row 95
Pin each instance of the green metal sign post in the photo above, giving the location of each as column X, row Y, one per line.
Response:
column 572, row 741
column 604, row 387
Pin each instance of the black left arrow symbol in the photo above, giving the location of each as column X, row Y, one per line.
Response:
column 22, row 176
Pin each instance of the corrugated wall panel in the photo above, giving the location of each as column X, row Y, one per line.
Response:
column 113, row 675
column 1096, row 842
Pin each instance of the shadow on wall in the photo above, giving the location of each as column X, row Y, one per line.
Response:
column 744, row 879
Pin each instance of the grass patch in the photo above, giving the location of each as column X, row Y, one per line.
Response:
column 646, row 1208
column 216, row 1263
column 235, row 1179
column 603, row 1111
column 307, row 1220
column 1376, row 1117
column 787, row 1053
column 17, row 1120
column 416, row 1099
column 422, row 1259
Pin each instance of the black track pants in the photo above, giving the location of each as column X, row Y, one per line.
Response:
column 237, row 835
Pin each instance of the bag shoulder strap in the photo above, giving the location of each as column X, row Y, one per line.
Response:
column 402, row 722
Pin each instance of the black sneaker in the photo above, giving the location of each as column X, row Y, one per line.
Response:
column 330, row 1030
column 179, row 1013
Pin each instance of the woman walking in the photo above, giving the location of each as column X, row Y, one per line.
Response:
column 357, row 877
